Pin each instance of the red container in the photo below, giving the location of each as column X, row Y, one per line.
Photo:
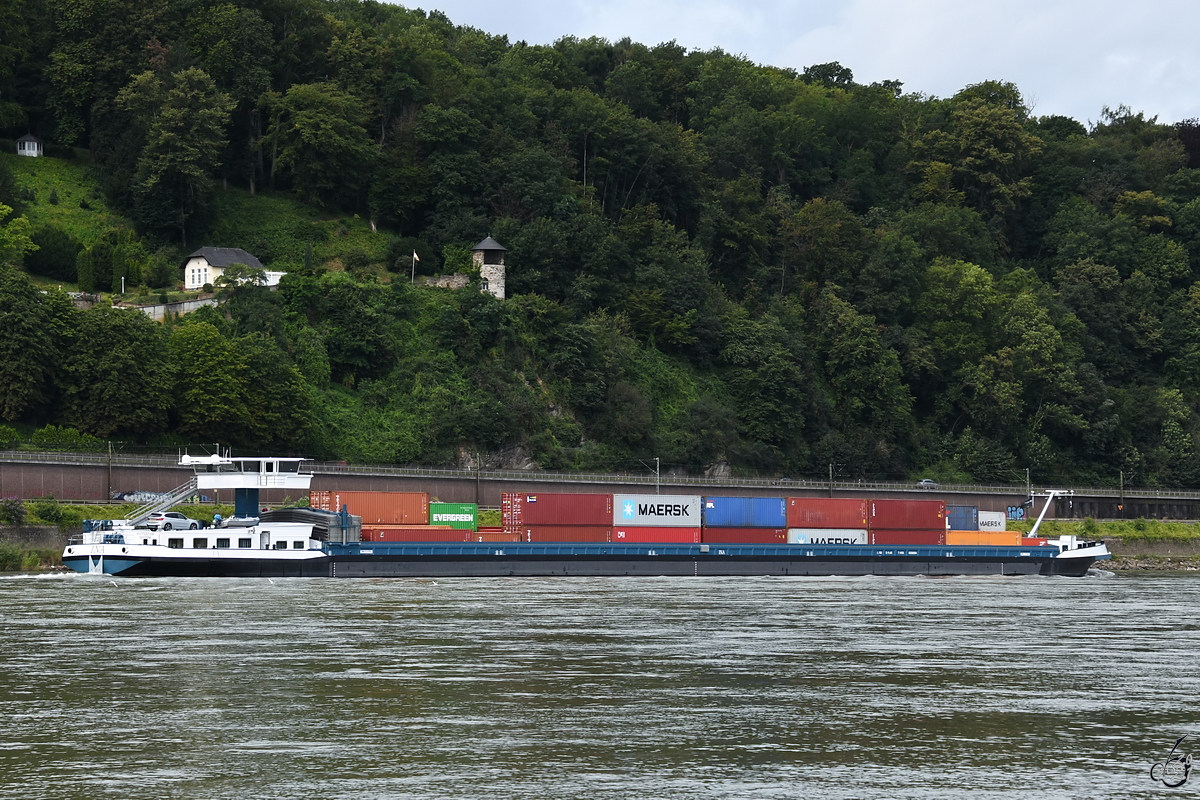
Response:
column 640, row 535
column 380, row 508
column 564, row 533
column 414, row 533
column 908, row 536
column 908, row 514
column 1036, row 541
column 744, row 535
column 816, row 512
column 523, row 509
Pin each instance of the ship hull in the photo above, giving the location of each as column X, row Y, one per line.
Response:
column 430, row 560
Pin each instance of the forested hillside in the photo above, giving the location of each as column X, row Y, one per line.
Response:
column 709, row 261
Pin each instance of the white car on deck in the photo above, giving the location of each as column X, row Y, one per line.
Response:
column 171, row 521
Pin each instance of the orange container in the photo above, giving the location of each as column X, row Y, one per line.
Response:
column 380, row 508
column 984, row 538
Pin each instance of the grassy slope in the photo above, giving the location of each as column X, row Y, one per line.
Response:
column 73, row 183
column 273, row 226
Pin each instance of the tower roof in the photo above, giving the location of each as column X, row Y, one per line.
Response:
column 489, row 244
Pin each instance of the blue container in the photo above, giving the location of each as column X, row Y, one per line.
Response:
column 963, row 518
column 745, row 512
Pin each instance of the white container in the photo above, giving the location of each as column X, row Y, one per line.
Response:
column 993, row 521
column 827, row 536
column 657, row 510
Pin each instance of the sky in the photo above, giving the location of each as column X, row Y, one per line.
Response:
column 1068, row 57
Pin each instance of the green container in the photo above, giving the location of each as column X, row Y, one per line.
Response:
column 460, row 516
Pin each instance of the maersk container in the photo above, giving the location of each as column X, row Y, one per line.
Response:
column 745, row 512
column 461, row 516
column 908, row 536
column 743, row 535
column 657, row 510
column 835, row 512
column 993, row 521
column 642, row 534
column 828, row 536
column 540, row 508
column 564, row 533
column 962, row 518
column 908, row 515
column 384, row 508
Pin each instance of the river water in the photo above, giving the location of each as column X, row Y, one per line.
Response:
column 554, row 689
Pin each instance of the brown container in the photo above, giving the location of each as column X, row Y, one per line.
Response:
column 414, row 533
column 984, row 538
column 524, row 509
column 495, row 537
column 744, row 535
column 632, row 534
column 816, row 512
column 564, row 533
column 908, row 536
column 908, row 514
column 382, row 508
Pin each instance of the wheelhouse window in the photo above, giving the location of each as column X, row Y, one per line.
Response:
column 176, row 544
column 244, row 543
column 222, row 543
column 200, row 544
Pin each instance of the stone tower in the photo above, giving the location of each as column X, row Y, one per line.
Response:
column 488, row 256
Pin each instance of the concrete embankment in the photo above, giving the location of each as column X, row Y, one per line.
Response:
column 34, row 537
column 1178, row 555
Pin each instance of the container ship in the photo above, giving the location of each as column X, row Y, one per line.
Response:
column 404, row 534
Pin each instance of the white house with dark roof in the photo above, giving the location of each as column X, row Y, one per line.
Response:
column 209, row 263
column 29, row 145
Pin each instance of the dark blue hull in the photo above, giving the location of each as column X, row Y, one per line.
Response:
column 593, row 560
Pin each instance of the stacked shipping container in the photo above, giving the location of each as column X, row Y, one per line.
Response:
column 744, row 520
column 908, row 522
column 644, row 518
column 557, row 517
column 816, row 520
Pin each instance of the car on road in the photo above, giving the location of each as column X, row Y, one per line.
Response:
column 171, row 521
column 927, row 483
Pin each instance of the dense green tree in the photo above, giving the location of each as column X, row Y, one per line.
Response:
column 184, row 117
column 120, row 379
column 317, row 131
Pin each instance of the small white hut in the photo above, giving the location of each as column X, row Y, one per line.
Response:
column 30, row 145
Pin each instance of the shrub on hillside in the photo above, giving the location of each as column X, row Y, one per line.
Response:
column 12, row 511
column 52, row 437
column 8, row 436
column 57, row 254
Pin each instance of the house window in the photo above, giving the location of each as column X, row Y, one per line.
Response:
column 175, row 544
column 200, row 544
column 297, row 545
column 222, row 543
column 281, row 545
column 243, row 543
